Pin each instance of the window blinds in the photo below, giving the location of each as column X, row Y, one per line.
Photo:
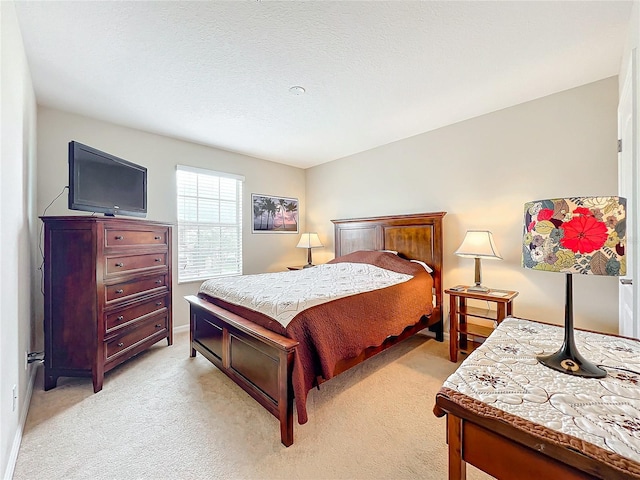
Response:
column 209, row 224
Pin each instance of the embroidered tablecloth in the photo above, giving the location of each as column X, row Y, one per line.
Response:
column 504, row 373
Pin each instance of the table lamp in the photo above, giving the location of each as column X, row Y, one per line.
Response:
column 584, row 235
column 309, row 241
column 478, row 244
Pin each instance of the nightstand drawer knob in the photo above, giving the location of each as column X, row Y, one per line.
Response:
column 119, row 264
column 120, row 318
column 119, row 291
column 158, row 259
column 158, row 325
column 159, row 282
column 158, row 304
column 157, row 237
column 121, row 344
column 119, row 237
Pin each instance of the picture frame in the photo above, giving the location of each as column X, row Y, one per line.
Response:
column 274, row 214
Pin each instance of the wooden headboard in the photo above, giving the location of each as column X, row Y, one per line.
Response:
column 416, row 236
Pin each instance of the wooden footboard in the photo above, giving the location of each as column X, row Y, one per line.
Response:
column 258, row 360
column 261, row 361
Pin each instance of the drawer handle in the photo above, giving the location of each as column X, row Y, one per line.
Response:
column 158, row 259
column 119, row 237
column 158, row 304
column 159, row 282
column 120, row 318
column 120, row 291
column 158, row 325
column 119, row 264
column 156, row 237
column 121, row 344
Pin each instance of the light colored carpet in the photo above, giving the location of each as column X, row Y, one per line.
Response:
column 164, row 415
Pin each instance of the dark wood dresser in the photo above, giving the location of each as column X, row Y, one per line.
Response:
column 107, row 293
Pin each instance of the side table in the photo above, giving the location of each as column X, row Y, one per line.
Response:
column 465, row 335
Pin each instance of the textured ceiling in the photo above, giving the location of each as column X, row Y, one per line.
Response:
column 218, row 73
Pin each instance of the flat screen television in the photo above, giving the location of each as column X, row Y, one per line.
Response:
column 103, row 183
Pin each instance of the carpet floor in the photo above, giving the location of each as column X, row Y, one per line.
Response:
column 164, row 415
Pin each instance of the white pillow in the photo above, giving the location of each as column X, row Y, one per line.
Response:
column 426, row 267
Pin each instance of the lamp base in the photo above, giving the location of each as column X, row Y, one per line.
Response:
column 568, row 360
column 308, row 265
column 477, row 288
column 572, row 364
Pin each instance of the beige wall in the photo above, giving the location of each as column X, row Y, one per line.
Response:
column 262, row 252
column 17, row 227
column 481, row 171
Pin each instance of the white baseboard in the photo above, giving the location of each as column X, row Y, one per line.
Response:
column 17, row 440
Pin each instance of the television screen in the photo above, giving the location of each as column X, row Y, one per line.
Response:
column 103, row 183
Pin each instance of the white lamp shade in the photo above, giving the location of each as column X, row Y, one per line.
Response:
column 478, row 244
column 309, row 240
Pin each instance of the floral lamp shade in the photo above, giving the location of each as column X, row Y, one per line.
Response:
column 582, row 235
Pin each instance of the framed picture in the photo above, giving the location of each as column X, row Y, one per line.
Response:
column 274, row 214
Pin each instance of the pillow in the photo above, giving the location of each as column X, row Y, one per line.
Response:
column 382, row 259
column 424, row 265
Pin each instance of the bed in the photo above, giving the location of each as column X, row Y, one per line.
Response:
column 276, row 364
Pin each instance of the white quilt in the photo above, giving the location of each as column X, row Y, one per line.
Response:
column 283, row 295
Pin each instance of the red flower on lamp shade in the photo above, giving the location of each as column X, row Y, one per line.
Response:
column 584, row 234
column 545, row 214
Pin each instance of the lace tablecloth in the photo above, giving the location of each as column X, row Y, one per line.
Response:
column 504, row 373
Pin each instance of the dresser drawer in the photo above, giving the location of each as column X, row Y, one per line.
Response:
column 135, row 336
column 145, row 285
column 126, row 263
column 123, row 317
column 128, row 238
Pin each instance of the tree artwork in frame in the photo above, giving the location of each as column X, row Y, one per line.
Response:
column 274, row 214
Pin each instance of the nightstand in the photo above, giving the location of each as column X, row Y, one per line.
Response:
column 470, row 325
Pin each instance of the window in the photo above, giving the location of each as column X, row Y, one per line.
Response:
column 209, row 224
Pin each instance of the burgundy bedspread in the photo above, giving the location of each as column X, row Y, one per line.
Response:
column 341, row 329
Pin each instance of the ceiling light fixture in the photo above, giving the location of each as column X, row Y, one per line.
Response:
column 297, row 90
